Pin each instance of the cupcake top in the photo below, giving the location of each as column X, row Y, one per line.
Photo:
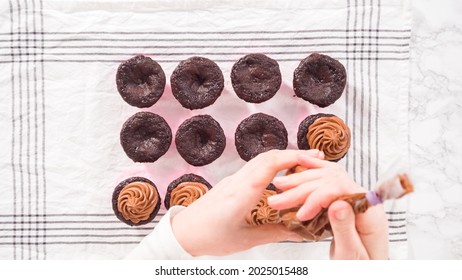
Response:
column 200, row 140
column 259, row 133
column 319, row 79
column 136, row 201
column 145, row 137
column 325, row 132
column 197, row 82
column 330, row 135
column 140, row 81
column 262, row 213
column 256, row 78
column 187, row 192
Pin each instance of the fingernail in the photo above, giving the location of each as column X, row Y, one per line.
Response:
column 299, row 214
column 278, row 180
column 321, row 154
column 305, row 157
column 341, row 214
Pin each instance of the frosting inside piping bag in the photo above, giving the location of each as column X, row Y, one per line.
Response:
column 319, row 227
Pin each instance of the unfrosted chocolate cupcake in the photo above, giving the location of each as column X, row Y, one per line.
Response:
column 200, row 140
column 319, row 79
column 136, row 201
column 140, row 81
column 256, row 78
column 259, row 133
column 145, row 137
column 185, row 190
column 325, row 132
column 197, row 82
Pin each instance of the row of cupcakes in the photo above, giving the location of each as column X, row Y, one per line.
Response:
column 136, row 200
column 200, row 140
column 197, row 82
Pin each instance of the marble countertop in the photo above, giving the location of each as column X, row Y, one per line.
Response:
column 435, row 123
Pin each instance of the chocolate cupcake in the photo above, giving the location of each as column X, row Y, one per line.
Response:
column 136, row 201
column 325, row 132
column 197, row 82
column 256, row 78
column 200, row 140
column 145, row 137
column 319, row 79
column 185, row 190
column 262, row 213
column 259, row 133
column 140, row 81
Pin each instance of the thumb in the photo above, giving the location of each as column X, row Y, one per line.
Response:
column 347, row 243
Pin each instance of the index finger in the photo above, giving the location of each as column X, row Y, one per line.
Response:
column 261, row 170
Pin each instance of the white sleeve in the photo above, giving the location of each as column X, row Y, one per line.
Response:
column 161, row 243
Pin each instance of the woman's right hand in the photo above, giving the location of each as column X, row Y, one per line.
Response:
column 360, row 236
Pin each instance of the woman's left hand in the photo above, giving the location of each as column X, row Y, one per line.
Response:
column 215, row 224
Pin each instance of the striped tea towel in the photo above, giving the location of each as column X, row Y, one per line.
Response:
column 61, row 114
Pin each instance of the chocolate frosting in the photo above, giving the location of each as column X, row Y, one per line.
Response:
column 295, row 169
column 262, row 213
column 330, row 135
column 187, row 192
column 137, row 201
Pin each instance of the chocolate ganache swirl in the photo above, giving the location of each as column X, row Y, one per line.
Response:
column 187, row 192
column 136, row 201
column 330, row 135
column 262, row 213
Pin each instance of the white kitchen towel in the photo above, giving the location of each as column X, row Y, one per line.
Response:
column 61, row 114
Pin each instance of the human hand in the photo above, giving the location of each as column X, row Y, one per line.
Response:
column 313, row 189
column 215, row 224
column 358, row 237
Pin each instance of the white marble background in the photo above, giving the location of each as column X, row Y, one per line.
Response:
column 435, row 216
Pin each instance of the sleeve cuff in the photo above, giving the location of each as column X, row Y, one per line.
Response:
column 161, row 242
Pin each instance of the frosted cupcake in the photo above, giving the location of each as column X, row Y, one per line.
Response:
column 185, row 190
column 136, row 201
column 325, row 132
column 262, row 213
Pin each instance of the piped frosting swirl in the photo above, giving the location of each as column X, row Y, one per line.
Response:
column 137, row 201
column 330, row 135
column 262, row 213
column 187, row 192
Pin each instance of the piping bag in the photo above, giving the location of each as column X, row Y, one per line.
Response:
column 395, row 185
